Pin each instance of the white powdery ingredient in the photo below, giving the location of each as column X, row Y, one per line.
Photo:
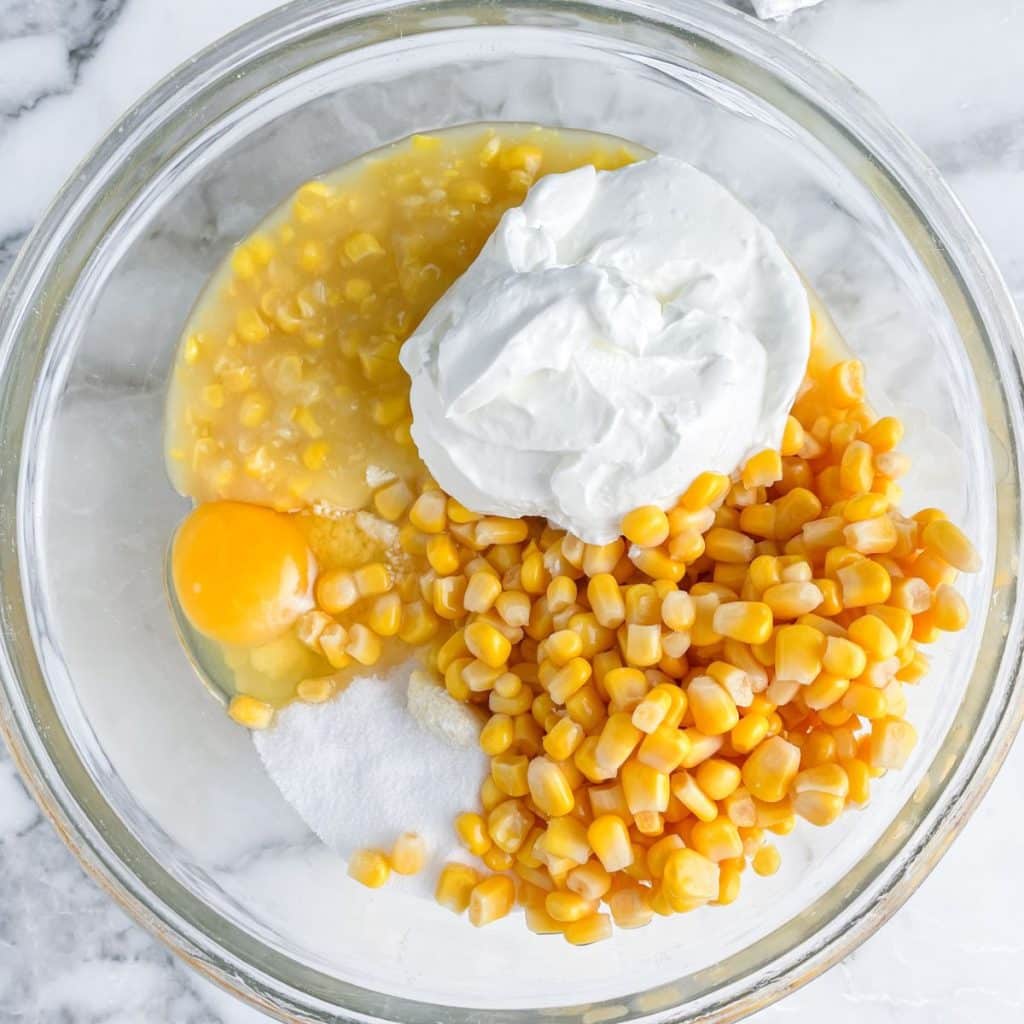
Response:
column 377, row 528
column 378, row 476
column 360, row 769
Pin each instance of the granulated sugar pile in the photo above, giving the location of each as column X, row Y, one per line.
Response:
column 382, row 758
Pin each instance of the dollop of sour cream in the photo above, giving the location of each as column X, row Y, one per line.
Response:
column 619, row 333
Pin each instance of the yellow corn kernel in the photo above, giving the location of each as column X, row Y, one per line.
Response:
column 646, row 526
column 498, row 860
column 372, row 579
column 871, row 536
column 562, row 646
column 336, row 591
column 315, row 691
column 509, row 824
column 689, row 879
column 794, row 510
column 497, row 735
column 429, row 512
column 333, row 641
column 706, row 489
column 770, row 768
column 618, row 739
column 363, row 645
column 370, row 868
column 730, row 879
column 740, row 809
column 609, row 839
column 949, row 610
column 792, row 437
column 717, row 840
column 653, row 709
column 490, row 900
column 725, row 545
column 685, row 789
column 608, row 800
column 864, row 582
column 791, row 600
column 454, row 886
column 717, row 778
column 766, row 861
column 626, row 687
column 566, row 838
column 820, row 792
column 385, row 615
column 714, row 711
column 418, row 624
column 844, row 384
column 487, row 644
column 630, row 908
column 844, row 658
column 858, row 779
column 549, row 788
column 496, row 530
column 664, row 749
column 883, row 435
column 392, row 500
column 701, row 747
column 251, row 327
column 762, row 469
column 568, row 906
column 799, row 650
column 825, row 691
column 409, row 854
column 872, row 634
column 857, row 468
column 643, row 644
column 361, row 245
column 250, row 712
column 595, row 928
column 646, row 789
column 748, row 732
column 490, row 794
column 514, row 608
column 586, row 708
column 447, row 593
column 589, row 880
column 482, row 591
column 602, row 558
column 561, row 741
column 442, row 554
column 866, row 701
column 606, row 600
column 750, row 622
column 509, row 772
column 568, row 679
column 561, row 593
column 950, row 544
column 890, row 744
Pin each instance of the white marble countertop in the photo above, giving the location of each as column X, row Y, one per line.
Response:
column 947, row 72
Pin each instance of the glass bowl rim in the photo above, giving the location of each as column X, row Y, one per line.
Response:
column 821, row 87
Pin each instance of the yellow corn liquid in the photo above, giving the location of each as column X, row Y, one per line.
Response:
column 287, row 391
column 287, row 385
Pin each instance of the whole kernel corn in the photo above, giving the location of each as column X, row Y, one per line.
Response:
column 409, row 854
column 609, row 839
column 490, row 900
column 250, row 712
column 766, row 861
column 646, row 526
column 370, row 868
column 595, row 928
column 747, row 621
column 770, row 768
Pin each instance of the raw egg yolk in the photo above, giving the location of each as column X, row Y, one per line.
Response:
column 243, row 574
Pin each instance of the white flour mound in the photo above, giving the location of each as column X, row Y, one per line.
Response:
column 360, row 769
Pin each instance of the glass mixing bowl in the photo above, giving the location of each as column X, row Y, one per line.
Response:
column 159, row 795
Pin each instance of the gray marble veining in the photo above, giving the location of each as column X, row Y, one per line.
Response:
column 950, row 74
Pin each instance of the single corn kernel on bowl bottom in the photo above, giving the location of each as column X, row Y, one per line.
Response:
column 161, row 796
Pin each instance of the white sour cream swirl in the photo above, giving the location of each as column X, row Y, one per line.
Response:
column 619, row 333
